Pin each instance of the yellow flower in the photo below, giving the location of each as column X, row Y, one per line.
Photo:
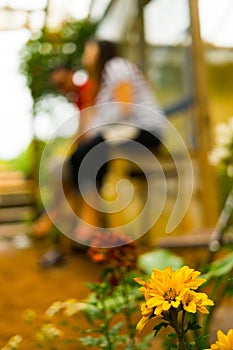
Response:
column 167, row 289
column 192, row 301
column 164, row 287
column 224, row 341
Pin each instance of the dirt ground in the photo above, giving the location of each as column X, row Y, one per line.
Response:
column 24, row 284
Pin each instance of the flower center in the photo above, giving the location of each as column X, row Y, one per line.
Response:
column 170, row 294
column 189, row 299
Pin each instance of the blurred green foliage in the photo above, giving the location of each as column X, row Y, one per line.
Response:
column 48, row 49
column 23, row 162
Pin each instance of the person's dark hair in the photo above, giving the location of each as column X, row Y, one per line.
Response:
column 107, row 51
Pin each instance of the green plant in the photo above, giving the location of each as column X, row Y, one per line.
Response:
column 171, row 301
column 111, row 313
column 48, row 49
column 114, row 300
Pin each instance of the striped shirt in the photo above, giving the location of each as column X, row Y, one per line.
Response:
column 144, row 112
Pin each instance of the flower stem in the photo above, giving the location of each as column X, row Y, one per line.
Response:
column 106, row 325
column 127, row 311
column 179, row 328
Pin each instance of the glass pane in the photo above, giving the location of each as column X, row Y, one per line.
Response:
column 99, row 7
column 168, row 60
column 166, row 21
column 216, row 19
column 115, row 24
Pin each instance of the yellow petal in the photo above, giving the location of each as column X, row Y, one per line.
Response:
column 203, row 309
column 166, row 305
column 143, row 321
column 176, row 304
column 139, row 280
column 222, row 339
column 153, row 302
column 158, row 310
column 230, row 338
column 191, row 307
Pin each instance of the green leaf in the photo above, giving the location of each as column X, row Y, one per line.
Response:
column 192, row 325
column 116, row 328
column 159, row 259
column 91, row 341
column 220, row 267
column 200, row 342
column 229, row 289
column 94, row 330
column 170, row 342
column 159, row 327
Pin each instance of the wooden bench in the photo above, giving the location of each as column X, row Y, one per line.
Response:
column 17, row 202
column 214, row 238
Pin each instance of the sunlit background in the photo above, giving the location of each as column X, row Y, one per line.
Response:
column 166, row 23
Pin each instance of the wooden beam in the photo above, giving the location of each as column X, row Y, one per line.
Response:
column 107, row 10
column 46, row 14
column 141, row 36
column 90, row 9
column 208, row 188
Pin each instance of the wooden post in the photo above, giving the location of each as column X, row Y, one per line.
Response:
column 141, row 36
column 35, row 151
column 46, row 14
column 208, row 188
column 107, row 10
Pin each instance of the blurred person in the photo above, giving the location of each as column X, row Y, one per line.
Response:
column 118, row 80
